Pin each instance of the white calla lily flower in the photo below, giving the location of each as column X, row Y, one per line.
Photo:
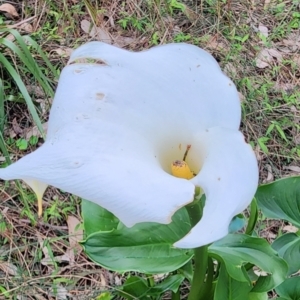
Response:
column 120, row 119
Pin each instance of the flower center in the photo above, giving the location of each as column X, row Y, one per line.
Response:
column 181, row 157
column 180, row 168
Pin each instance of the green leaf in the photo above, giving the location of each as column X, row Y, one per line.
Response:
column 2, row 115
column 96, row 218
column 289, row 289
column 145, row 247
column 288, row 247
column 229, row 289
column 172, row 283
column 104, row 296
column 187, row 271
column 261, row 142
column 252, row 218
column 237, row 223
column 258, row 296
column 28, row 61
column 237, row 249
column 24, row 92
column 135, row 288
column 281, row 133
column 22, row 144
column 281, row 199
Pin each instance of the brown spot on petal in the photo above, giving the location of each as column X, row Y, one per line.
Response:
column 100, row 96
column 88, row 60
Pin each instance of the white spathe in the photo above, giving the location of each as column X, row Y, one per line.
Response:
column 120, row 118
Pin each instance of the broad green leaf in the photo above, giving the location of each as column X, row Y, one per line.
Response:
column 289, row 289
column 96, row 218
column 172, row 283
column 135, row 288
column 288, row 247
column 145, row 247
column 228, row 288
column 237, row 249
column 187, row 271
column 252, row 218
column 258, row 296
column 281, row 199
column 237, row 223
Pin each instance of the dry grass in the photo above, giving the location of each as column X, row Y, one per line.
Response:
column 232, row 31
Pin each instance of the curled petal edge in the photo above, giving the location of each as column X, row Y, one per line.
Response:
column 229, row 178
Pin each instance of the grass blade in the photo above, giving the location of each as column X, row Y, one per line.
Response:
column 30, row 63
column 1, row 107
column 24, row 92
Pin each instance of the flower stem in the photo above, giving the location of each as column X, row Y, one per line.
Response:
column 200, row 261
column 176, row 296
column 200, row 257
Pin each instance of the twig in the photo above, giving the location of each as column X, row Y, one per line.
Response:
column 20, row 23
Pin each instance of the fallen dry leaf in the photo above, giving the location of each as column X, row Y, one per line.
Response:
column 296, row 59
column 103, row 283
column 292, row 42
column 63, row 51
column 215, row 44
column 297, row 139
column 267, row 3
column 86, row 26
column 8, row 268
column 44, row 104
column 33, row 131
column 282, row 86
column 96, row 32
column 257, row 153
column 230, row 70
column 47, row 260
column 191, row 14
column 122, row 41
column 35, row 90
column 16, row 128
column 270, row 176
column 259, row 272
column 266, row 56
column 101, row 35
column 242, row 97
column 10, row 9
column 290, row 228
column 60, row 292
column 26, row 27
column 263, row 30
column 292, row 168
column 75, row 236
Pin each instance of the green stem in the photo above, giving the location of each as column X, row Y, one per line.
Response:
column 200, row 261
column 176, row 296
column 209, row 279
column 200, row 257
